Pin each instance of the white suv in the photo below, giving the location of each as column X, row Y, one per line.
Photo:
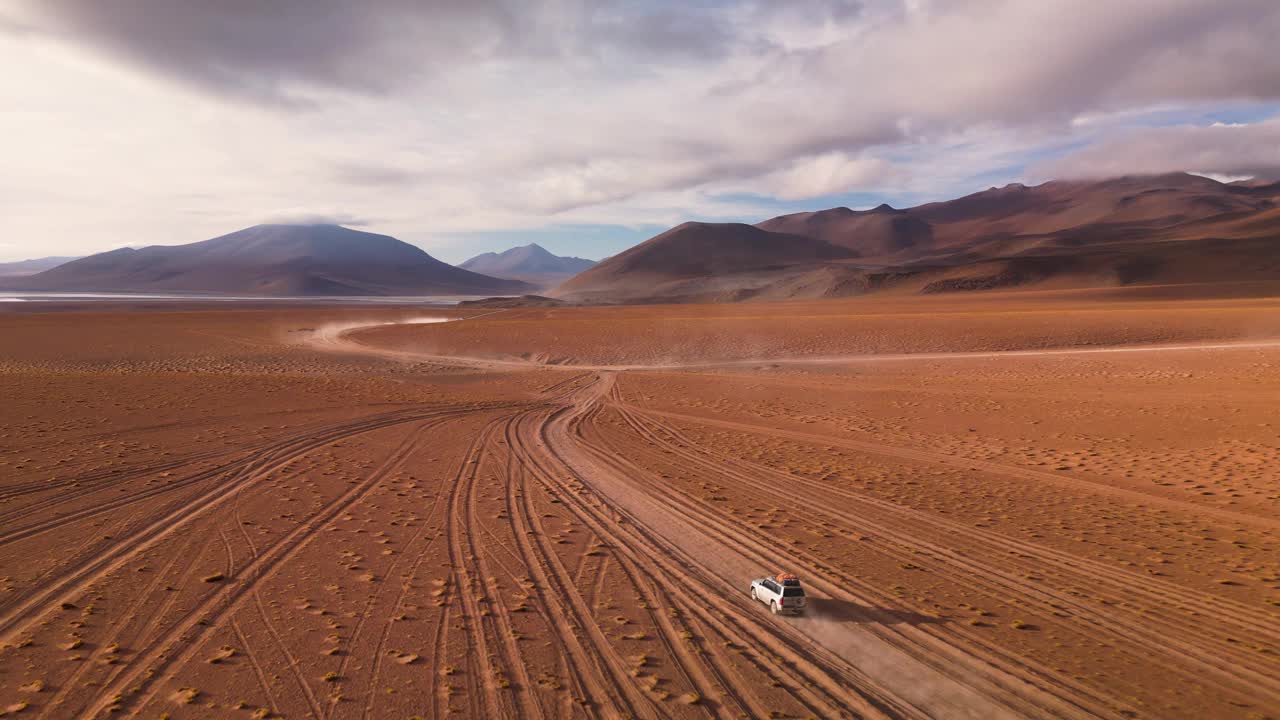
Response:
column 782, row 593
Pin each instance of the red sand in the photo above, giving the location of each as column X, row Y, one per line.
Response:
column 207, row 514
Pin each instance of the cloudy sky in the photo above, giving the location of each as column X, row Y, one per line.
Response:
column 473, row 125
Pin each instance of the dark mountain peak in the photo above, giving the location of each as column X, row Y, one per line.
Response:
column 882, row 230
column 828, row 214
column 1009, row 189
column 532, row 251
column 275, row 259
column 530, row 262
column 275, row 243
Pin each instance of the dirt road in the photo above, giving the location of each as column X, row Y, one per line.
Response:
column 345, row 338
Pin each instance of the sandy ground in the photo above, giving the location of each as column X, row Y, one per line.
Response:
column 306, row 512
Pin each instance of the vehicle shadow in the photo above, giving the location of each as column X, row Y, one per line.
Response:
column 852, row 612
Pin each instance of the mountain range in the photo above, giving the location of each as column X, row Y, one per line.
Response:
column 531, row 263
column 273, row 260
column 1171, row 229
column 33, row 266
column 1166, row 229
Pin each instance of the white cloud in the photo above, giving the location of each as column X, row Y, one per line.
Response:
column 304, row 216
column 1221, row 150
column 832, row 173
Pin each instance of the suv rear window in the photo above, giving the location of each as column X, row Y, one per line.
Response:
column 792, row 592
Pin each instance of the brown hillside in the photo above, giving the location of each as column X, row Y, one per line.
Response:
column 697, row 252
column 1166, row 229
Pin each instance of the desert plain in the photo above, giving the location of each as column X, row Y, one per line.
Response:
column 1040, row 504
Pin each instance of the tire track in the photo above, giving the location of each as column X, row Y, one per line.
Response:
column 593, row 661
column 569, row 654
column 500, row 620
column 91, row 481
column 108, row 477
column 291, row 660
column 241, row 465
column 158, row 663
column 73, row 581
column 732, row 684
column 258, row 671
column 995, row 468
column 439, row 699
column 54, row 523
column 461, row 554
column 572, row 380
column 660, row 613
